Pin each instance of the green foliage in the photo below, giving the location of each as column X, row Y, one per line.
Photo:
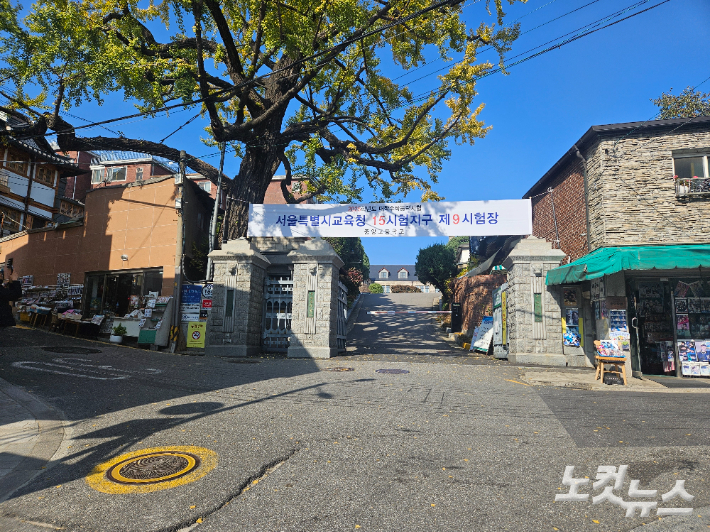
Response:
column 456, row 241
column 119, row 330
column 405, row 289
column 376, row 288
column 352, row 252
column 340, row 118
column 687, row 104
column 435, row 264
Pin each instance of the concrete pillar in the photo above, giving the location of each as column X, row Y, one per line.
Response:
column 234, row 325
column 315, row 300
column 535, row 330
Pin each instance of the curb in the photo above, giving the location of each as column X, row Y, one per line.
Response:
column 51, row 436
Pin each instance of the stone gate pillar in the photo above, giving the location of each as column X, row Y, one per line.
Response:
column 234, row 325
column 534, row 312
column 315, row 300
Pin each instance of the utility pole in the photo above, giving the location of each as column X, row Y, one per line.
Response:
column 180, row 243
column 213, row 225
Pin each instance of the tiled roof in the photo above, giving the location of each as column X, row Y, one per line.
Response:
column 107, row 156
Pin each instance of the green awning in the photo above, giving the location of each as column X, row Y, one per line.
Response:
column 605, row 261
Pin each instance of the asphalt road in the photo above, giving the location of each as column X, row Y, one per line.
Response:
column 446, row 446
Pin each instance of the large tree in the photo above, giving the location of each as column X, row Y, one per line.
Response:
column 301, row 83
column 435, row 265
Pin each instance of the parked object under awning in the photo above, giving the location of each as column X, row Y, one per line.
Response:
column 605, row 261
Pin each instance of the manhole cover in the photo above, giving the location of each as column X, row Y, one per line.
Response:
column 392, row 371
column 153, row 467
column 244, row 361
column 71, row 350
column 339, row 369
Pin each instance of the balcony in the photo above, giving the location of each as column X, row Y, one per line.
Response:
column 690, row 188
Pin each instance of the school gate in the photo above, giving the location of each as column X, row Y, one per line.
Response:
column 279, row 289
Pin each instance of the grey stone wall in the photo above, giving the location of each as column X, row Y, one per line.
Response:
column 315, row 267
column 530, row 341
column 239, row 267
column 632, row 194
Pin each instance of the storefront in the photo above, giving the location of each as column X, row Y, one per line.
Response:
column 651, row 301
column 118, row 292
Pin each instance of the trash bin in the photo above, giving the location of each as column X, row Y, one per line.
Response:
column 456, row 317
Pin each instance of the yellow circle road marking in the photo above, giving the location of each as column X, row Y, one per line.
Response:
column 109, row 477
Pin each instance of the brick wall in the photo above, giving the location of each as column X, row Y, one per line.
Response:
column 476, row 297
column 569, row 211
column 274, row 196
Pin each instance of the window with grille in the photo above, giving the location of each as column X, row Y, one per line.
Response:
column 139, row 173
column 17, row 163
column 44, row 175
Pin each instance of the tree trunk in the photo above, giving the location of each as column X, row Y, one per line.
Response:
column 255, row 173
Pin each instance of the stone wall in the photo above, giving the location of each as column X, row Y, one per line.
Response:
column 634, row 176
column 240, row 268
column 476, row 297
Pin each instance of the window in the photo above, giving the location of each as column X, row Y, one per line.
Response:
column 387, row 289
column 139, row 173
column 688, row 167
column 4, row 180
column 384, row 274
column 44, row 175
column 206, row 186
column 10, row 219
column 17, row 163
column 71, row 210
column 97, row 175
column 116, row 174
column 403, row 274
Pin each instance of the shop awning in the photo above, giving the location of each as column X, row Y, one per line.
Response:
column 605, row 261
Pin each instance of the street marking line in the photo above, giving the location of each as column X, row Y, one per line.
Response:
column 108, row 477
column 78, row 367
column 517, row 382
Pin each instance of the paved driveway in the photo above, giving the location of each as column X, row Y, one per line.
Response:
column 398, row 333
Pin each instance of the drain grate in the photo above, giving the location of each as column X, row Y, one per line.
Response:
column 338, row 369
column 392, row 371
column 68, row 350
column 232, row 361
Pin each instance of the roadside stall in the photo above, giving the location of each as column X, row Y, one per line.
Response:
column 651, row 302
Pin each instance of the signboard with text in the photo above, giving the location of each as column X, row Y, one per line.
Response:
column 446, row 218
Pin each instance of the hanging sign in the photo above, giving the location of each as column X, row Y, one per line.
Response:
column 451, row 218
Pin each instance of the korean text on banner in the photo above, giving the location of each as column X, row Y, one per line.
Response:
column 451, row 218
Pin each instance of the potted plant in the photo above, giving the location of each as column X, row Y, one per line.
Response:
column 117, row 336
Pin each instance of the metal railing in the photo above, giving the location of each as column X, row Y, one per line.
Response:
column 686, row 188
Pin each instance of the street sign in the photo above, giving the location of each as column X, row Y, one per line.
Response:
column 207, row 291
column 196, row 334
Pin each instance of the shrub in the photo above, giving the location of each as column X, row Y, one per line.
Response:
column 376, row 288
column 119, row 330
column 401, row 289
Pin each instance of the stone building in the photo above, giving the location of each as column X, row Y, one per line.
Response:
column 625, row 211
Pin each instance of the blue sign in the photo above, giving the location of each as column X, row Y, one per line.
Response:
column 191, row 293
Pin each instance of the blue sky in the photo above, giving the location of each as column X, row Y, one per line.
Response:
column 537, row 112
